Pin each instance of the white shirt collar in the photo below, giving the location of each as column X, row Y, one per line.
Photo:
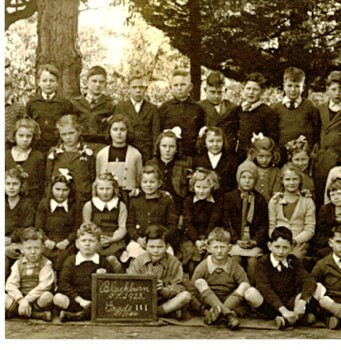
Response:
column 50, row 96
column 211, row 266
column 20, row 156
column 247, row 107
column 100, row 205
column 337, row 260
column 286, row 101
column 80, row 258
column 275, row 262
column 137, row 105
column 335, row 107
column 208, row 199
column 218, row 108
column 54, row 205
column 214, row 158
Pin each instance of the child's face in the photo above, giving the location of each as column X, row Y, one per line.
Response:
column 334, row 92
column 118, row 133
column 87, row 244
column 301, row 159
column 167, row 148
column 156, row 249
column 96, row 84
column 47, row 82
column 219, row 251
column 247, row 181
column 181, row 87
column 32, row 249
column 264, row 158
column 214, row 143
column 335, row 197
column 252, row 92
column 280, row 248
column 105, row 190
column 150, row 184
column 335, row 243
column 293, row 89
column 137, row 89
column 291, row 181
column 60, row 191
column 23, row 138
column 214, row 94
column 202, row 188
column 69, row 135
column 12, row 186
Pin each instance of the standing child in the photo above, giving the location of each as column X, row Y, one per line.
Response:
column 109, row 213
column 24, row 136
column 245, row 216
column 212, row 155
column 220, row 283
column 75, row 155
column 201, row 213
column 29, row 286
column 285, row 285
column 182, row 111
column 143, row 115
column 74, row 287
column 294, row 209
column 57, row 217
column 151, row 207
column 172, row 295
column 47, row 106
column 120, row 158
column 19, row 213
column 265, row 155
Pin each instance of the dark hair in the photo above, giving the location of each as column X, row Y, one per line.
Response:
column 96, row 70
column 215, row 79
column 281, row 232
column 64, row 178
column 89, row 228
column 31, row 233
column 170, row 134
column 256, row 77
column 334, row 185
column 294, row 74
column 180, row 72
column 157, row 232
column 151, row 169
column 201, row 141
column 334, row 77
column 19, row 173
column 28, row 123
column 48, row 68
column 117, row 118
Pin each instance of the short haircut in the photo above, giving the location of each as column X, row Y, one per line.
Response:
column 69, row 120
column 96, row 70
column 89, row 228
column 19, row 173
column 136, row 74
column 292, row 167
column 170, row 134
column 215, row 79
column 294, row 74
column 334, row 185
column 335, row 229
column 151, row 169
column 201, row 141
column 28, row 123
column 117, row 118
column 219, row 234
column 31, row 233
column 157, row 232
column 256, row 77
column 48, row 68
column 265, row 144
column 204, row 174
column 281, row 232
column 180, row 72
column 106, row 176
column 334, row 77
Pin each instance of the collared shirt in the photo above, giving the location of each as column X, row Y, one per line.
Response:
column 137, row 105
column 20, row 156
column 208, row 199
column 214, row 158
column 287, row 102
column 337, row 260
column 80, row 258
column 92, row 99
column 218, row 108
column 100, row 205
column 335, row 107
column 211, row 266
column 277, row 264
column 54, row 205
column 247, row 107
column 48, row 97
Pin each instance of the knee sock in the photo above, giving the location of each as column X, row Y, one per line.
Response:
column 174, row 304
column 211, row 299
column 330, row 305
column 233, row 301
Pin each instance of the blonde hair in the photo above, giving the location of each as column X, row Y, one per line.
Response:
column 106, row 176
column 201, row 174
column 69, row 120
column 264, row 144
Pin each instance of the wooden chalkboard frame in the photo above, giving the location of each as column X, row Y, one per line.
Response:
column 95, row 312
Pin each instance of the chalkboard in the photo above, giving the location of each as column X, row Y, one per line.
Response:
column 121, row 297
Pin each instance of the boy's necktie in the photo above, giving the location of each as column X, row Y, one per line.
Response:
column 291, row 105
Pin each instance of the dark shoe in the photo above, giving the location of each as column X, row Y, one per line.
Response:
column 232, row 320
column 42, row 315
column 212, row 315
column 279, row 322
column 308, row 319
column 332, row 322
column 186, row 313
column 73, row 316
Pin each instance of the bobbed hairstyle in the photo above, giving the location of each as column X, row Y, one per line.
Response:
column 294, row 74
column 170, row 134
column 28, row 123
column 334, row 186
column 291, row 167
column 65, row 177
column 204, row 174
column 157, row 232
column 117, row 118
column 264, row 144
column 201, row 141
column 219, row 234
column 257, row 78
column 106, row 176
column 281, row 232
column 19, row 173
column 89, row 228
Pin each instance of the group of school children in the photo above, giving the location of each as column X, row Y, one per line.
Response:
column 236, row 209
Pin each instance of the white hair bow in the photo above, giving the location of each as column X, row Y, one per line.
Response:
column 256, row 137
column 176, row 130
column 66, row 173
column 202, row 131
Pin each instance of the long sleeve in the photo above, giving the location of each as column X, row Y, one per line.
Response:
column 66, row 283
column 87, row 212
column 309, row 223
column 138, row 168
column 12, row 286
column 174, row 284
column 272, row 216
column 131, row 222
column 188, row 216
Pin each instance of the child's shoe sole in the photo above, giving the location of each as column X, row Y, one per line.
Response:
column 212, row 315
column 279, row 322
column 332, row 322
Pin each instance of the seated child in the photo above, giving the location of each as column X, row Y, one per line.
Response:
column 29, row 286
column 327, row 271
column 172, row 295
column 245, row 216
column 74, row 286
column 285, row 285
column 221, row 284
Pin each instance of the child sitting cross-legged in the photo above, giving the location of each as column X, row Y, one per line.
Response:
column 28, row 288
column 172, row 295
column 74, row 287
column 221, row 284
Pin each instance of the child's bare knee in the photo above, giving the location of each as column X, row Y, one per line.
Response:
column 186, row 296
column 201, row 285
column 45, row 299
column 61, row 301
column 242, row 288
column 253, row 297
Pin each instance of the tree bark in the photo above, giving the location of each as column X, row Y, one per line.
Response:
column 57, row 42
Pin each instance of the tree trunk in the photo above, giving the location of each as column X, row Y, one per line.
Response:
column 57, row 42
